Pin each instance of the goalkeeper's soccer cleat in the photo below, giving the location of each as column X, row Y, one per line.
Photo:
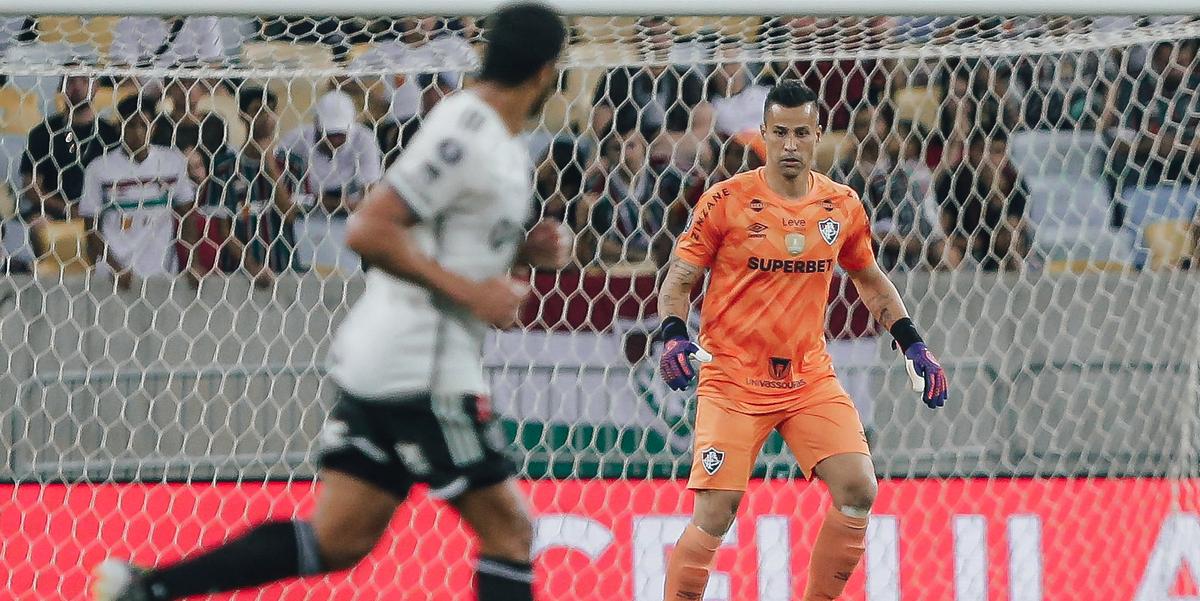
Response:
column 115, row 580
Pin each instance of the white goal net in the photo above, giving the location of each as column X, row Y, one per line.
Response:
column 1033, row 184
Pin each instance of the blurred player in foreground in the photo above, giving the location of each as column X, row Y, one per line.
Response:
column 441, row 233
column 771, row 238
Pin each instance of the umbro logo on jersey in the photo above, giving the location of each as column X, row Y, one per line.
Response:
column 829, row 230
column 756, row 205
column 712, row 460
column 755, row 230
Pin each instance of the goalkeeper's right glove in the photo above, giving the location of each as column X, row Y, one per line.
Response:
column 675, row 364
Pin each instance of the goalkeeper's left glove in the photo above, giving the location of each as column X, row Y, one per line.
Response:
column 923, row 362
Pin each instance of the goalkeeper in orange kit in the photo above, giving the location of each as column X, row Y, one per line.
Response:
column 771, row 238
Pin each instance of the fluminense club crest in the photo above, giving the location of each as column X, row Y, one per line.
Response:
column 829, row 230
column 712, row 459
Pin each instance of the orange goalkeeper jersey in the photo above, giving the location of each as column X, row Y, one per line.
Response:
column 771, row 261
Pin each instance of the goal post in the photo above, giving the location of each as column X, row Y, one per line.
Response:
column 613, row 8
column 1033, row 183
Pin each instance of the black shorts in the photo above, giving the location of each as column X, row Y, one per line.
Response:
column 452, row 443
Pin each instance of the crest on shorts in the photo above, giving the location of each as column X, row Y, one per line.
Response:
column 712, row 460
column 779, row 367
column 829, row 230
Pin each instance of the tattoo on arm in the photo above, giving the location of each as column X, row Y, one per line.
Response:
column 675, row 292
column 885, row 316
column 880, row 296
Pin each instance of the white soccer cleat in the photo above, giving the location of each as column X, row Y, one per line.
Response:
column 115, row 580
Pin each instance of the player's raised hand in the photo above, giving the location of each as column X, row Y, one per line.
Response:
column 547, row 245
column 927, row 368
column 499, row 300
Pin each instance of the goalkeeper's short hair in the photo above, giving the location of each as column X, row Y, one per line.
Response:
column 522, row 38
column 790, row 93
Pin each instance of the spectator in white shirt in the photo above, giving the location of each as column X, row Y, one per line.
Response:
column 343, row 161
column 737, row 101
column 132, row 198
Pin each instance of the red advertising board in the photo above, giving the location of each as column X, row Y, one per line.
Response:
column 930, row 540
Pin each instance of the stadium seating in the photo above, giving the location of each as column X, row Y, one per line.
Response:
column 834, row 146
column 629, row 269
column 1065, row 153
column 281, row 55
column 919, row 105
column 45, row 87
column 1085, row 266
column 296, row 95
column 1168, row 242
column 12, row 146
column 1070, row 216
column 105, row 99
column 226, row 107
column 94, row 31
column 12, row 231
column 1085, row 249
column 1169, row 201
column 745, row 28
column 573, row 105
column 8, row 204
column 1145, row 206
column 19, row 111
column 64, row 241
column 69, row 29
column 575, row 99
column 1066, row 201
column 605, row 29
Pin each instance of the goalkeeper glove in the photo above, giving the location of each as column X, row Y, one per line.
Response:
column 675, row 364
column 923, row 362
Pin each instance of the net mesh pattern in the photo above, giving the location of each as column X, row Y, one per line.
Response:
column 1032, row 185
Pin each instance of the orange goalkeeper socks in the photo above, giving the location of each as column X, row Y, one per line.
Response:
column 689, row 565
column 840, row 545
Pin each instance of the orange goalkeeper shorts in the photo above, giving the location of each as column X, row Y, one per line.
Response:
column 727, row 440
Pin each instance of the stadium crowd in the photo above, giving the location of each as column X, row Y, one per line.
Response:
column 160, row 184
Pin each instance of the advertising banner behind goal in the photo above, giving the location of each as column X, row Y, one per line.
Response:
column 962, row 539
